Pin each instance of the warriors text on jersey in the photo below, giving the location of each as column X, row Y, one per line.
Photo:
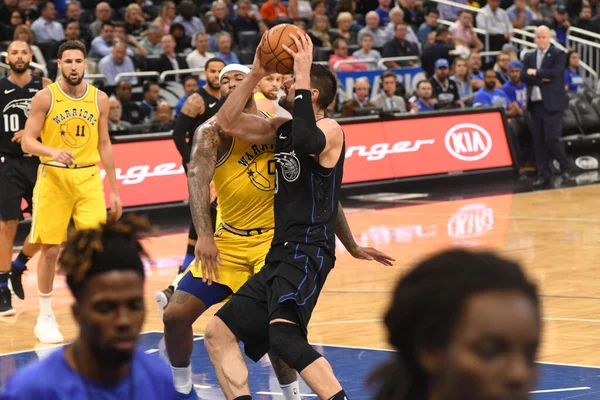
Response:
column 72, row 124
column 15, row 103
column 244, row 181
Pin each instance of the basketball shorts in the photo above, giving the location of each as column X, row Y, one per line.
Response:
column 288, row 287
column 242, row 257
column 64, row 193
column 17, row 180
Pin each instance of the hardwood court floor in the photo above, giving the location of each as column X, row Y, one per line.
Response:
column 556, row 234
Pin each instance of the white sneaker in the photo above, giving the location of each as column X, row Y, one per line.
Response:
column 46, row 330
column 162, row 299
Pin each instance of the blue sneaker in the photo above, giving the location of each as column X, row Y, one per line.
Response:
column 190, row 396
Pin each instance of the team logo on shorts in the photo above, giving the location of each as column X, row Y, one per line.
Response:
column 290, row 165
column 21, row 104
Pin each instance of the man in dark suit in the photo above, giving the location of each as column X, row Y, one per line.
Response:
column 543, row 72
column 169, row 60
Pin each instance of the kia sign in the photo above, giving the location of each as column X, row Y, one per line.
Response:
column 425, row 145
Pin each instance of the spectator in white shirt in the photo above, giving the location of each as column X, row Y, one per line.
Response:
column 496, row 22
column 199, row 57
column 366, row 51
column 45, row 27
column 116, row 63
column 102, row 45
column 378, row 33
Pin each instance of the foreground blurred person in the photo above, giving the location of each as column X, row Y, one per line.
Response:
column 466, row 326
column 105, row 273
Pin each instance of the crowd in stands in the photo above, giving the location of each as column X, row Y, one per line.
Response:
column 124, row 37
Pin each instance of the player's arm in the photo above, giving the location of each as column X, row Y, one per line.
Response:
column 343, row 232
column 192, row 107
column 40, row 106
column 203, row 161
column 106, row 155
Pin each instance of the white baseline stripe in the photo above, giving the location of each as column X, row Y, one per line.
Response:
column 561, row 390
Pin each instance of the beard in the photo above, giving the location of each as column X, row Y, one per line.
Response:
column 71, row 81
column 270, row 96
column 212, row 85
column 17, row 70
column 286, row 103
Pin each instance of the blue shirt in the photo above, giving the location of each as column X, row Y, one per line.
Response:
column 514, row 15
column 573, row 80
column 515, row 93
column 179, row 105
column 384, row 16
column 232, row 59
column 424, row 107
column 496, row 98
column 54, row 379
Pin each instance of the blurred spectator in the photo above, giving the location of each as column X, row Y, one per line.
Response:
column 476, row 73
column 218, row 22
column 198, row 57
column 534, row 6
column 29, row 10
column 45, row 27
column 167, row 16
column 495, row 21
column 115, row 124
column 319, row 33
column 224, row 49
column 348, row 6
column 16, row 18
column 135, row 23
column 340, row 53
column 502, row 62
column 273, row 9
column 360, row 99
column 515, row 90
column 511, row 51
column 130, row 110
column 560, row 24
column 24, row 34
column 585, row 17
column 396, row 17
column 163, row 118
column 490, row 96
column 190, row 86
column 6, row 10
column 301, row 9
column 444, row 90
column 383, row 10
column 102, row 45
column 103, row 14
column 425, row 100
column 318, row 8
column 413, row 16
column 134, row 47
column 267, row 91
column 430, row 25
column 366, row 51
column 463, row 28
column 182, row 42
column 387, row 100
column 379, row 34
column 520, row 15
column 169, row 60
column 461, row 75
column 573, row 80
column 151, row 98
column 74, row 14
column 400, row 47
column 73, row 32
column 441, row 48
column 115, row 63
column 247, row 19
column 152, row 40
column 186, row 17
column 547, row 9
column 346, row 28
column 450, row 13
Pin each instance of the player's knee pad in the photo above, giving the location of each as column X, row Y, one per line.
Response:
column 289, row 342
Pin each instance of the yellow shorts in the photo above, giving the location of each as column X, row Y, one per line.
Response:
column 62, row 193
column 242, row 257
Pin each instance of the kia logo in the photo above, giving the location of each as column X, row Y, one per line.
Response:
column 468, row 142
column 586, row 162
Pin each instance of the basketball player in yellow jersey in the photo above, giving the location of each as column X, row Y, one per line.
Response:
column 71, row 118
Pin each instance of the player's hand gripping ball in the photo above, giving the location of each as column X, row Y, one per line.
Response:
column 274, row 58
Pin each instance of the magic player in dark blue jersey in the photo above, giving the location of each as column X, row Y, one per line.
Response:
column 105, row 274
column 272, row 310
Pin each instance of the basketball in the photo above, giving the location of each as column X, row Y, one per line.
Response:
column 274, row 57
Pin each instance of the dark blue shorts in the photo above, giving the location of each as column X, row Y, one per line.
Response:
column 209, row 295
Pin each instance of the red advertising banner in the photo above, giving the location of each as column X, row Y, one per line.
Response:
column 151, row 172
column 425, row 146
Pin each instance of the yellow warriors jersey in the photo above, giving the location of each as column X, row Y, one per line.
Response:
column 245, row 180
column 72, row 124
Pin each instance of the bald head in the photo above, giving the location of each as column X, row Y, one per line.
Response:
column 542, row 37
column 163, row 112
column 372, row 19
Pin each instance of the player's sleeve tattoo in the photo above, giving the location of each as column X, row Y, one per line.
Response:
column 203, row 162
column 342, row 229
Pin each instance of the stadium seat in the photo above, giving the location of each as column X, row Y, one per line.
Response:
column 322, row 53
column 588, row 94
column 571, row 130
column 587, row 118
column 248, row 39
column 49, row 48
column 596, row 105
column 246, row 56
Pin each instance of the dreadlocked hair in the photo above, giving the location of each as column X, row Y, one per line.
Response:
column 112, row 246
column 427, row 304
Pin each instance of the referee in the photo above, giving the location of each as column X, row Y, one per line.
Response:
column 17, row 170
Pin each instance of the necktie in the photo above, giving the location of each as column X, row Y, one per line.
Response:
column 540, row 58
